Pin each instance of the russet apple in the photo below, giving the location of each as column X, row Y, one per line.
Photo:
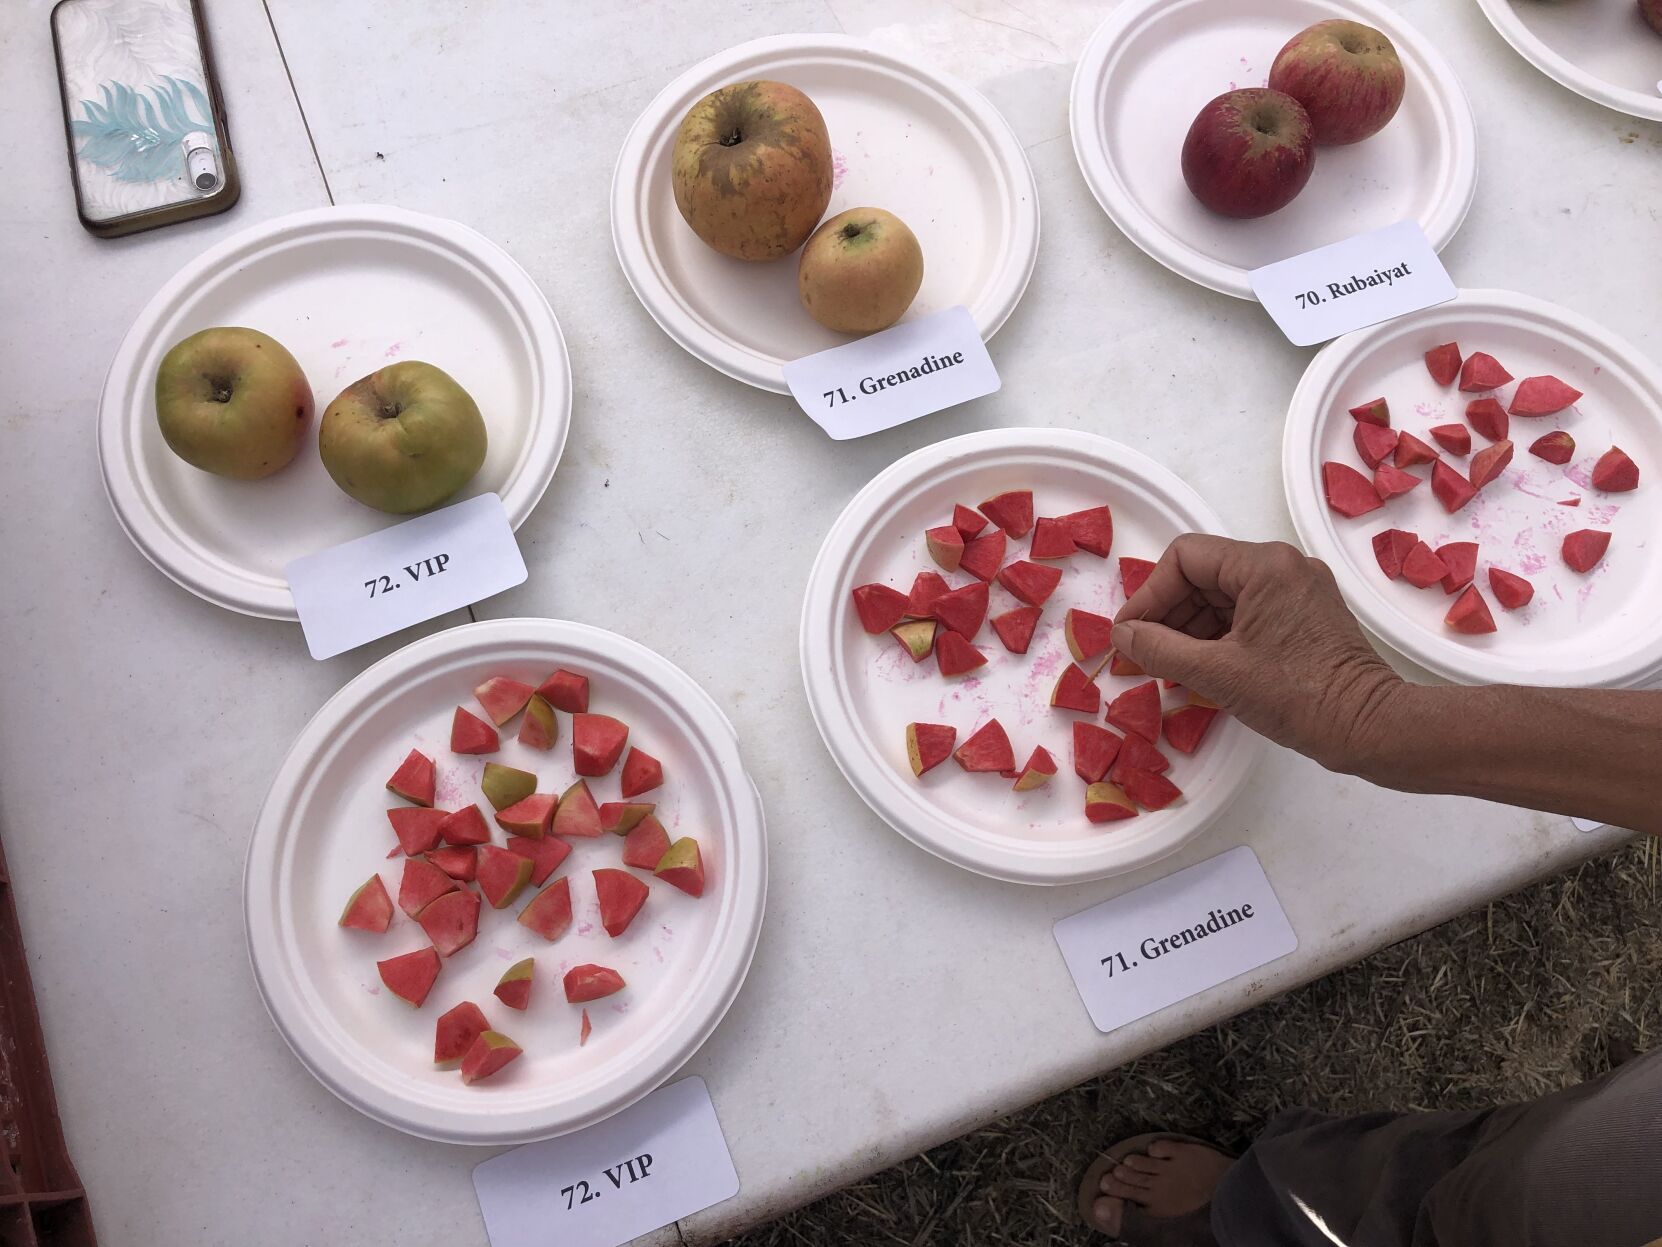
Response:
column 751, row 169
column 1347, row 75
column 232, row 402
column 1249, row 152
column 860, row 271
column 402, row 439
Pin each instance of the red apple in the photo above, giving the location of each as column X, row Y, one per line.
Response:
column 1346, row 75
column 1652, row 11
column 1249, row 152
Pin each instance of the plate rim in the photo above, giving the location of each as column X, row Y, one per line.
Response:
column 1306, row 510
column 1089, row 148
column 117, row 423
column 1008, row 865
column 1528, row 45
column 733, row 955
column 636, row 260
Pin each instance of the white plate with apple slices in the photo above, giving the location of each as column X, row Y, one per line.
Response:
column 1603, row 50
column 863, row 689
column 905, row 139
column 323, row 830
column 347, row 290
column 1596, row 630
column 1149, row 69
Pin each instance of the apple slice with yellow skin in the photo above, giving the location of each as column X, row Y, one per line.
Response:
column 683, row 867
column 514, row 987
column 505, row 785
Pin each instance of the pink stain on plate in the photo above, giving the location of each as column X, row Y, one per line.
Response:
column 839, row 168
column 337, row 344
column 394, row 351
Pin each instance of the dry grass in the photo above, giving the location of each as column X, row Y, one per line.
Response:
column 1537, row 991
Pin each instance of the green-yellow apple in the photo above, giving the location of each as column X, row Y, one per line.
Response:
column 860, row 271
column 1347, row 75
column 752, row 169
column 232, row 402
column 1249, row 152
column 402, row 439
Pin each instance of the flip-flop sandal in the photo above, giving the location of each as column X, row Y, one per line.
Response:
column 1154, row 1231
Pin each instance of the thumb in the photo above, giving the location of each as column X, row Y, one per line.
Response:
column 1172, row 655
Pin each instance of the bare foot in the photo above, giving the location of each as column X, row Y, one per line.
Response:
column 1172, row 1183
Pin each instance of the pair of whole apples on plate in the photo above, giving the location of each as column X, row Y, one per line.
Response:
column 236, row 403
column 752, row 176
column 1251, row 151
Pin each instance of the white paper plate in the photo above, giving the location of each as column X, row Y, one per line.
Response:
column 322, row 831
column 927, row 148
column 1597, row 630
column 863, row 691
column 1152, row 65
column 1601, row 49
column 346, row 290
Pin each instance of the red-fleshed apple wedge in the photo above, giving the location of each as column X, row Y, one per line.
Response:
column 927, row 589
column 1488, row 417
column 597, row 742
column 532, row 817
column 1412, row 451
column 410, row 976
column 1555, row 447
column 641, row 773
column 1106, row 803
column 465, row 828
column 1038, row 770
column 1028, row 582
column 984, row 556
column 1138, row 710
column 549, row 913
column 1011, row 511
column 1422, row 568
column 879, row 607
column 514, row 987
column 1454, row 438
column 1347, row 75
column 1092, row 530
column 1248, row 153
column 504, row 785
column 928, row 745
column 1615, row 472
column 539, row 729
column 489, row 1053
column 459, row 863
column 568, row 691
column 1443, row 363
column 422, row 884
column 622, row 817
column 451, row 921
column 1391, row 482
column 1489, row 463
column 621, row 897
column 578, row 814
column 1453, row 490
column 1391, row 547
column 1015, row 627
column 1470, row 614
column 1482, row 372
column 1137, row 754
column 502, row 875
column 645, row 846
column 455, row 1032
column 1347, row 491
column 545, row 855
column 1460, row 558
column 956, row 656
column 591, row 982
column 1133, row 572
column 1094, row 751
column 1542, row 396
column 963, row 610
column 1374, row 411
column 1051, row 540
column 1147, row 789
column 1118, row 664
column 584, row 1030
column 1088, row 634
column 1075, row 690
column 969, row 523
column 417, row 828
column 369, row 908
column 414, row 780
column 471, row 734
column 1186, row 726
column 682, row 867
column 1374, row 443
column 502, row 697
column 946, row 547
column 987, row 749
column 916, row 638
column 1510, row 590
column 1584, row 549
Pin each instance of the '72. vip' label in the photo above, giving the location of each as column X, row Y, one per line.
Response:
column 1345, row 286
column 428, row 567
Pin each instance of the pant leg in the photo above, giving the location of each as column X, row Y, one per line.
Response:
column 1579, row 1168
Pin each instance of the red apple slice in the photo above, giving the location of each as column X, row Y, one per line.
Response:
column 879, row 607
column 987, row 749
column 984, row 556
column 946, row 547
column 422, row 884
column 1460, row 557
column 1186, row 726
column 465, row 828
column 1133, row 572
column 928, row 745
column 1138, row 710
column 597, row 741
column 963, row 610
column 1390, row 482
column 1482, row 372
column 451, row 921
column 1349, row 492
column 1012, row 511
column 369, row 908
column 549, row 913
column 1489, row 463
column 1374, row 443
column 410, row 976
column 1542, row 396
column 1032, row 583
column 641, row 773
column 956, row 656
column 1391, row 547
column 456, row 1031
column 417, row 829
column 591, row 982
column 1092, row 530
column 1151, row 791
column 471, row 734
column 1375, row 411
column 513, row 989
column 1015, row 627
column 458, row 863
column 1411, row 451
column 531, row 817
column 682, row 866
column 1038, row 771
column 621, row 897
column 1453, row 490
column 545, row 855
column 1088, row 634
column 502, row 875
column 414, row 779
column 503, row 698
column 1584, row 548
column 1488, row 417
column 968, row 523
column 1454, row 438
column 1106, row 803
column 927, row 589
column 1615, row 472
column 1051, row 540
column 1137, row 754
column 1470, row 614
column 645, row 846
column 1443, row 362
column 578, row 814
column 1076, row 691
column 1422, row 568
column 1555, row 447
column 1509, row 590
column 568, row 691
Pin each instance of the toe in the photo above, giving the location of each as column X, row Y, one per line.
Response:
column 1133, row 1177
column 1108, row 1213
column 1112, row 1185
column 1163, row 1149
column 1144, row 1164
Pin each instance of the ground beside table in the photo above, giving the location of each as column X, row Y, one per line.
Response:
column 895, row 1001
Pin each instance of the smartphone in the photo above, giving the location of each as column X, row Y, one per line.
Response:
column 142, row 114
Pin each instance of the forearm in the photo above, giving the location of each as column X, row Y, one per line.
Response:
column 1590, row 753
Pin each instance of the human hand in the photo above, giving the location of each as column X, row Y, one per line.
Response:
column 1261, row 630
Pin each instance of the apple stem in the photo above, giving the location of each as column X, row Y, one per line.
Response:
column 733, row 139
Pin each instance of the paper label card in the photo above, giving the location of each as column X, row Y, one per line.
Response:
column 657, row 1161
column 350, row 594
column 887, row 378
column 1174, row 937
column 1348, row 285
